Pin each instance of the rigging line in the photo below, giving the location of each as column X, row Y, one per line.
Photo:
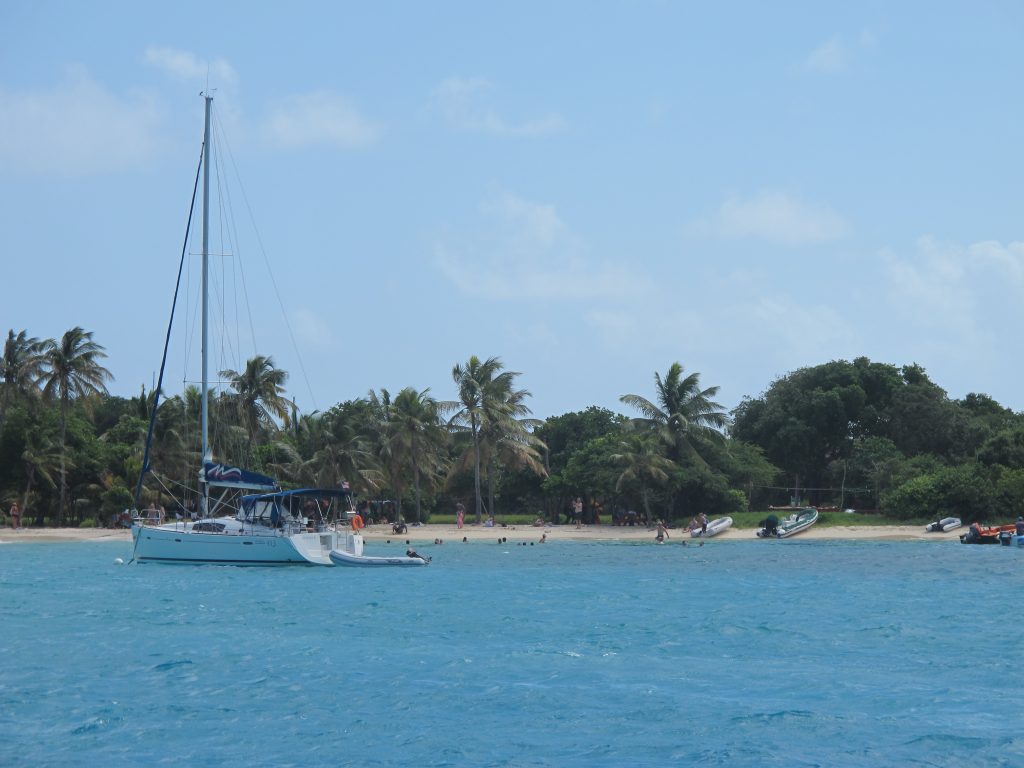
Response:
column 790, row 488
column 228, row 215
column 168, row 484
column 273, row 282
column 231, row 347
column 238, row 265
column 186, row 344
column 167, row 338
column 221, row 286
column 164, row 486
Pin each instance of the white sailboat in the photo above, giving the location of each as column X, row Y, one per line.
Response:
column 244, row 518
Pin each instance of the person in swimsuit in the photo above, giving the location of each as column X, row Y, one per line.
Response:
column 662, row 533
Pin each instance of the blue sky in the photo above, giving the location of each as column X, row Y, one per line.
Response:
column 589, row 191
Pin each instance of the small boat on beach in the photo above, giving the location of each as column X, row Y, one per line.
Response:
column 945, row 524
column 773, row 528
column 715, row 527
column 986, row 534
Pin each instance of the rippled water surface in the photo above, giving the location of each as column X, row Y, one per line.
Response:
column 568, row 654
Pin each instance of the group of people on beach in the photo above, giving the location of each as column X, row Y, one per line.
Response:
column 580, row 514
column 698, row 523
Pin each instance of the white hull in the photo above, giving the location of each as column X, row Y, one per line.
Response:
column 174, row 544
column 792, row 525
column 340, row 557
column 785, row 534
column 715, row 527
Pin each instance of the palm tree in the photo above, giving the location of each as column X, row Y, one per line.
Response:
column 71, row 372
column 386, row 449
column 643, row 463
column 39, row 459
column 412, row 434
column 169, row 450
column 328, row 452
column 508, row 438
column 481, row 385
column 259, row 394
column 685, row 415
column 20, row 369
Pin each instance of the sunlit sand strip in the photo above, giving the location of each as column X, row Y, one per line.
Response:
column 553, row 533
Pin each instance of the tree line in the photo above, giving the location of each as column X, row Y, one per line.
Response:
column 859, row 434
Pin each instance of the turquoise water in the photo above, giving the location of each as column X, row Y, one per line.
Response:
column 568, row 654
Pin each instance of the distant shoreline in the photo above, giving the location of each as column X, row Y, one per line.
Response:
column 449, row 533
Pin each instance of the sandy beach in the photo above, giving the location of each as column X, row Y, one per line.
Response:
column 427, row 534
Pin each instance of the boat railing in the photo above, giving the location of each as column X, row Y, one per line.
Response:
column 150, row 517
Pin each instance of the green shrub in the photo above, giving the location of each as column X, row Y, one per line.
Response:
column 965, row 491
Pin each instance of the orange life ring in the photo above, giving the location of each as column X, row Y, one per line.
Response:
column 357, row 523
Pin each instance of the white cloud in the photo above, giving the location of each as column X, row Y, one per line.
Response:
column 868, row 38
column 1008, row 259
column 837, row 55
column 776, row 217
column 618, row 329
column 527, row 252
column 320, row 117
column 955, row 309
column 932, row 283
column 773, row 322
column 311, row 328
column 77, row 127
column 184, row 65
column 831, row 56
column 955, row 288
column 462, row 101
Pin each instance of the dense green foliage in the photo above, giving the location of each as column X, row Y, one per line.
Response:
column 888, row 438
column 849, row 434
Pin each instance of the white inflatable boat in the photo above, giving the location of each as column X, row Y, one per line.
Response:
column 351, row 555
column 715, row 527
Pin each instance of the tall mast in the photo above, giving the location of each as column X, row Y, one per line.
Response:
column 206, row 300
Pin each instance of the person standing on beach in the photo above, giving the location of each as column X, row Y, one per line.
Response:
column 460, row 515
column 15, row 513
column 577, row 512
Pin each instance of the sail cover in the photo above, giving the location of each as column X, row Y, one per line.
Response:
column 225, row 476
